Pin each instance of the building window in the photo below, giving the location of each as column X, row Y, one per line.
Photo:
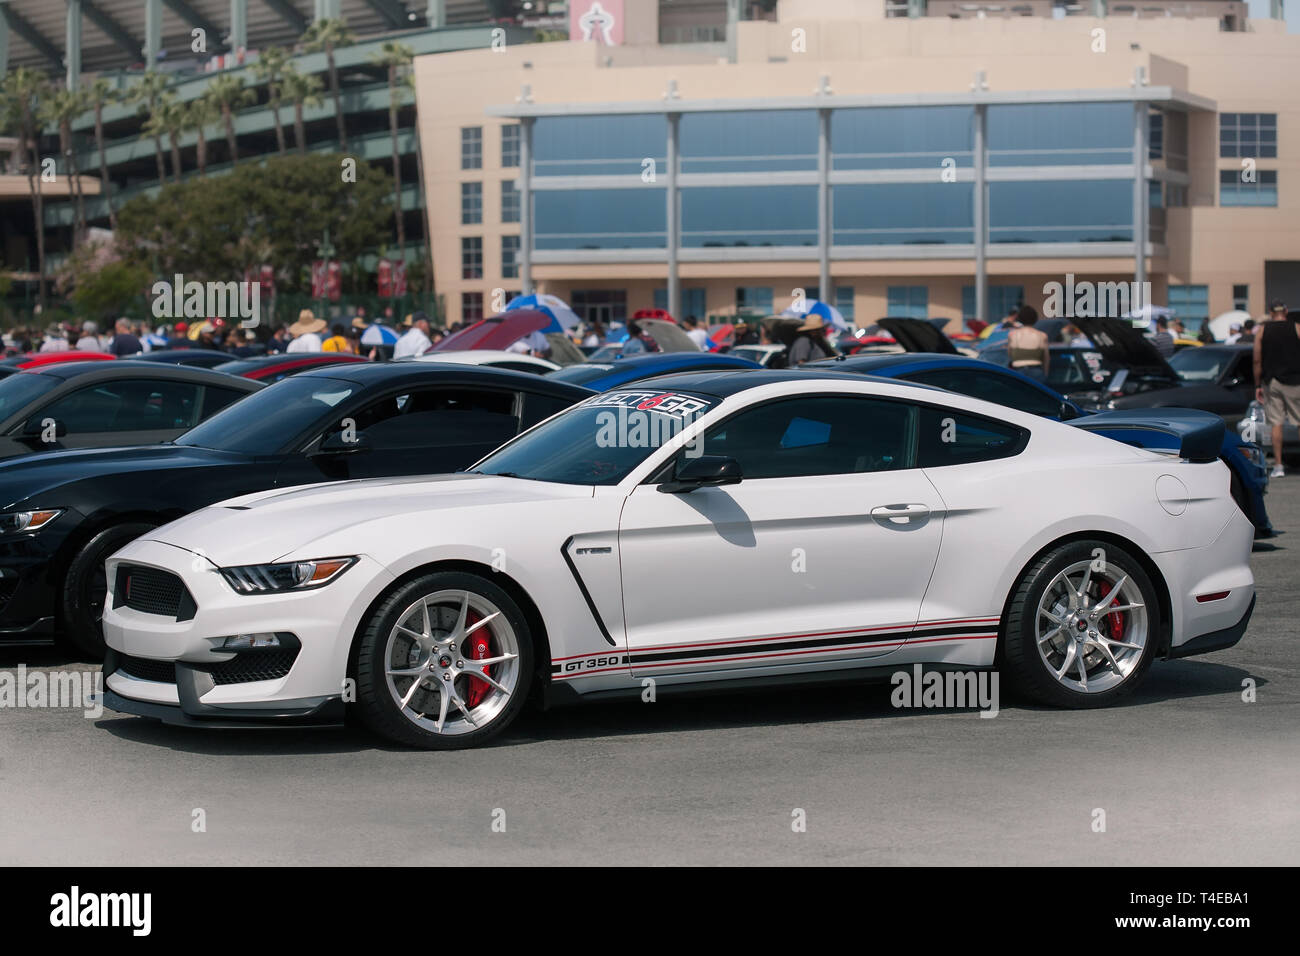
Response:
column 510, row 145
column 471, row 204
column 844, row 302
column 510, row 257
column 471, row 257
column 1060, row 134
column 600, row 218
column 600, row 305
column 1156, row 135
column 1241, row 298
column 908, row 301
column 748, row 141
column 599, row 145
column 471, row 306
column 1248, row 134
column 1061, row 211
column 1234, row 192
column 1175, row 195
column 747, row 216
column 471, row 147
column 1191, row 303
column 754, row 298
column 896, row 214
column 1003, row 299
column 509, row 201
column 693, row 302
column 902, row 137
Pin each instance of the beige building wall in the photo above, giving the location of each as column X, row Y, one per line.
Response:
column 1218, row 246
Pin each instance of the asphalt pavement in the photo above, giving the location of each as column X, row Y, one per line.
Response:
column 1185, row 772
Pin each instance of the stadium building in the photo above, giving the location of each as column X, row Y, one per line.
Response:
column 941, row 159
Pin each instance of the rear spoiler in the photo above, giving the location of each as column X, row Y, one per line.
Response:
column 1196, row 435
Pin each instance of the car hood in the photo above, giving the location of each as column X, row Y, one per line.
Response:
column 918, row 335
column 1119, row 342
column 270, row 525
column 33, row 477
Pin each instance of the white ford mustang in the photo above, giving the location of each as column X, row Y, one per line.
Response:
column 722, row 528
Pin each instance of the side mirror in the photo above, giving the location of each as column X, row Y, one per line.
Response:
column 1235, row 382
column 35, row 427
column 336, row 444
column 706, row 471
column 1068, row 411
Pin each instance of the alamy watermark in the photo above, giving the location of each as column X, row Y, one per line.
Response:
column 73, row 690
column 1085, row 299
column 947, row 690
column 179, row 299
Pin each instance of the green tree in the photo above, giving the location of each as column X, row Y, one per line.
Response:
column 201, row 114
column 21, row 95
column 98, row 95
column 166, row 119
column 229, row 94
column 270, row 70
column 396, row 58
column 272, row 211
column 329, row 34
column 302, row 89
column 145, row 94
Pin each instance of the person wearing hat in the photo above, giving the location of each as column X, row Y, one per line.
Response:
column 415, row 340
column 810, row 342
column 306, row 333
column 1277, row 375
column 1234, row 334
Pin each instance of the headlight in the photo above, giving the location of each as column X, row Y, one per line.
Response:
column 291, row 576
column 16, row 522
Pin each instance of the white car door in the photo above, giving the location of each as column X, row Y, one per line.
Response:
column 822, row 553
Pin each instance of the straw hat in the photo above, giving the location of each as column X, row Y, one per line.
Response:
column 307, row 323
column 812, row 323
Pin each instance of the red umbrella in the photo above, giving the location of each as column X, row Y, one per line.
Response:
column 496, row 332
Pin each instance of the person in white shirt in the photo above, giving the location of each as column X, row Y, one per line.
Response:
column 695, row 333
column 54, row 340
column 306, row 333
column 1234, row 334
column 534, row 343
column 415, row 341
column 89, row 341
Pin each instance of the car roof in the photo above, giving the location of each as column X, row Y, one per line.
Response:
column 873, row 361
column 129, row 368
column 722, row 384
column 368, row 374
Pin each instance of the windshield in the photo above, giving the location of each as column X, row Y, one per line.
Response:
column 1198, row 365
column 1086, row 368
column 20, row 388
column 581, row 374
column 600, row 441
column 261, row 423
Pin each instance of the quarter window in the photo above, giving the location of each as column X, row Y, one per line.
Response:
column 956, row 438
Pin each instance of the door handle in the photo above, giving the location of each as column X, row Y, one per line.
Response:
column 900, row 514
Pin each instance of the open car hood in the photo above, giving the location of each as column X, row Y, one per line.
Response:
column 497, row 332
column 667, row 336
column 918, row 335
column 1119, row 342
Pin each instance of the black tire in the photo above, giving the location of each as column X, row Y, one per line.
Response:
column 84, row 588
column 375, row 704
column 1026, row 670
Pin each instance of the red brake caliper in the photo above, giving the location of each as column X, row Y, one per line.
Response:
column 1112, row 624
column 480, row 647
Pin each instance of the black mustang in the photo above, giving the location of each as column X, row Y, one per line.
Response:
column 63, row 513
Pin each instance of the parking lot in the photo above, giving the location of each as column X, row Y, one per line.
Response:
column 1186, row 772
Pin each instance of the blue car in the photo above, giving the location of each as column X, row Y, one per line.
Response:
column 602, row 376
column 1004, row 386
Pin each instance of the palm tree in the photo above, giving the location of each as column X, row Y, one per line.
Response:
column 302, row 89
column 229, row 94
column 98, row 95
column 164, row 121
column 145, row 95
column 329, row 34
column 59, row 109
column 270, row 70
column 201, row 114
column 23, row 90
column 396, row 57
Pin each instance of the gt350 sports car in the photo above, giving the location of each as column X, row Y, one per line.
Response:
column 721, row 528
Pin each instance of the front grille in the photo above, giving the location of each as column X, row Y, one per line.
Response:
column 152, row 591
column 254, row 665
column 162, row 672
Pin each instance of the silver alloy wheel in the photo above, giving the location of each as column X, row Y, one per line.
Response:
column 1091, row 628
column 429, row 674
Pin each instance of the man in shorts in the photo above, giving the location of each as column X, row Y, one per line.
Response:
column 1277, row 374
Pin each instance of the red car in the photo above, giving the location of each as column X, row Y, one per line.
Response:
column 272, row 368
column 16, row 363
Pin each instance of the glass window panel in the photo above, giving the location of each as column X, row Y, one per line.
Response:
column 509, row 201
column 1055, row 134
column 1061, row 211
column 510, row 145
column 749, row 141
column 902, row 213
column 471, row 147
column 471, row 203
column 908, row 301
column 898, row 138
column 598, row 145
column 600, row 219
column 749, row 216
